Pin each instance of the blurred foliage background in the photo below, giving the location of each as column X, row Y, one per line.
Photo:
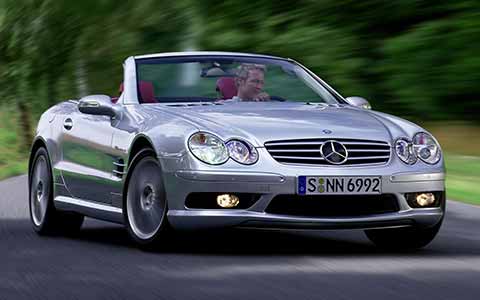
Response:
column 416, row 59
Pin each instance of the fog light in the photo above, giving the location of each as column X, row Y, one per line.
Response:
column 425, row 199
column 227, row 200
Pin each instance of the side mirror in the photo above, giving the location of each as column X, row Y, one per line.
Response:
column 359, row 102
column 99, row 105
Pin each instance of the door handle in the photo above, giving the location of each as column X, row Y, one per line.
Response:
column 68, row 124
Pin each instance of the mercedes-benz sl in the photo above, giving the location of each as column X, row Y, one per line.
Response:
column 203, row 140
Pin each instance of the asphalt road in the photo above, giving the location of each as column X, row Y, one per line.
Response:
column 101, row 263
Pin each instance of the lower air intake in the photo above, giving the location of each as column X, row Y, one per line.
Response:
column 333, row 205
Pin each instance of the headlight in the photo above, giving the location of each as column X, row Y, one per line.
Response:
column 404, row 151
column 426, row 148
column 208, row 148
column 242, row 152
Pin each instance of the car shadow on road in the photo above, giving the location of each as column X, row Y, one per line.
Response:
column 274, row 242
column 453, row 239
column 236, row 241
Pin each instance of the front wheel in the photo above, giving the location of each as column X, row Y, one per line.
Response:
column 410, row 238
column 145, row 203
column 46, row 219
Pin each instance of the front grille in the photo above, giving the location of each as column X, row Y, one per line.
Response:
column 307, row 151
column 333, row 205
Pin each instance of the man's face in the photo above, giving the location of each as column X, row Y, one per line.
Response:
column 250, row 87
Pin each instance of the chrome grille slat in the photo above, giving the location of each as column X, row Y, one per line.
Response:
column 307, row 152
column 299, row 158
column 294, row 150
column 369, row 157
column 268, row 144
column 368, row 150
column 365, row 143
column 299, row 163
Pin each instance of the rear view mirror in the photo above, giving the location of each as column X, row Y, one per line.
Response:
column 99, row 105
column 359, row 102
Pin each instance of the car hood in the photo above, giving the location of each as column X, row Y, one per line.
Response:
column 263, row 122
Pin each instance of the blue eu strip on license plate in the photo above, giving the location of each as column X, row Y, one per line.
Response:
column 302, row 185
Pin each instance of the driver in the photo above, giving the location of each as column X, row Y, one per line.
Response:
column 249, row 82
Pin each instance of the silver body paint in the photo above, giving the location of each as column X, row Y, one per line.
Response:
column 90, row 160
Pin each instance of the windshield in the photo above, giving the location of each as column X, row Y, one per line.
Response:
column 227, row 79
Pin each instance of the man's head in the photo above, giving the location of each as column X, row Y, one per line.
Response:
column 250, row 80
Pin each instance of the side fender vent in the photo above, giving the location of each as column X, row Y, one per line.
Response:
column 119, row 168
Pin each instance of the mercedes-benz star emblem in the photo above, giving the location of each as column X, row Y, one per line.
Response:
column 334, row 152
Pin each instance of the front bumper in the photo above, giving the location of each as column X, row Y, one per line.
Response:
column 181, row 183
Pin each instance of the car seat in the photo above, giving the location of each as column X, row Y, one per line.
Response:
column 227, row 88
column 146, row 92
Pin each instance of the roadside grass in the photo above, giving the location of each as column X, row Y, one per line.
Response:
column 12, row 160
column 460, row 142
column 463, row 178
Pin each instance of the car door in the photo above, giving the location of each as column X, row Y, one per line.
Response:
column 87, row 157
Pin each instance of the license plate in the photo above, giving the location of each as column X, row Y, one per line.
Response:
column 327, row 185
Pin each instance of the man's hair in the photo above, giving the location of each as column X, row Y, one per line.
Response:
column 243, row 69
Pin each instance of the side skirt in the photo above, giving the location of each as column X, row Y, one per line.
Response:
column 89, row 208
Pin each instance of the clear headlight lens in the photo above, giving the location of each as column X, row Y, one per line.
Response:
column 404, row 150
column 208, row 148
column 242, row 152
column 426, row 148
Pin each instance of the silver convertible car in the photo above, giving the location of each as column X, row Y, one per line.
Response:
column 202, row 140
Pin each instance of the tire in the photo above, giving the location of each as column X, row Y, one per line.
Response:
column 145, row 204
column 45, row 218
column 410, row 238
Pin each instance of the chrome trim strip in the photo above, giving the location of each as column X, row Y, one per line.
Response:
column 409, row 177
column 368, row 157
column 299, row 157
column 294, row 150
column 370, row 150
column 204, row 53
column 231, row 176
column 88, row 204
column 292, row 143
column 299, row 164
column 365, row 143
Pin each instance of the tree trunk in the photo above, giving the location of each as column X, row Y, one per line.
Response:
column 51, row 90
column 25, row 126
column 81, row 78
column 80, row 69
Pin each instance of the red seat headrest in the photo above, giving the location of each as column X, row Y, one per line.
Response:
column 227, row 88
column 146, row 92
